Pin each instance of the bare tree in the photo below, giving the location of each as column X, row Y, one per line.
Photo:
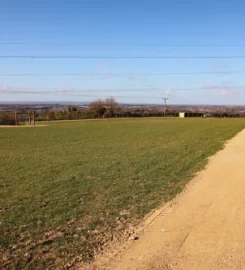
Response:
column 111, row 106
column 97, row 107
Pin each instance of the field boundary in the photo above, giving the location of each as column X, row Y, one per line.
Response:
column 24, row 126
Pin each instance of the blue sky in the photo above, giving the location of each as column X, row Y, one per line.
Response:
column 123, row 28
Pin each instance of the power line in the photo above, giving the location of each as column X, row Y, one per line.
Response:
column 125, row 74
column 220, row 87
column 79, row 95
column 118, row 45
column 96, row 90
column 117, row 57
column 96, row 96
column 78, row 91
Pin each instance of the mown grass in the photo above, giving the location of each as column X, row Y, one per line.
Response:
column 68, row 188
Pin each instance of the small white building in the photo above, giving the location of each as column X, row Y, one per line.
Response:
column 182, row 115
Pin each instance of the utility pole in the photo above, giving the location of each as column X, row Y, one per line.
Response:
column 165, row 104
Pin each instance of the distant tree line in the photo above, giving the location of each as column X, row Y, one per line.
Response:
column 97, row 109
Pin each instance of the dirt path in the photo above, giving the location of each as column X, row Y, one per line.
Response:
column 203, row 229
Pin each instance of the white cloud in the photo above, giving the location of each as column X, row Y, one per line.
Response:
column 225, row 93
column 168, row 91
column 63, row 91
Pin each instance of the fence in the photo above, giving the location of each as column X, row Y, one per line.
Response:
column 20, row 118
column 17, row 118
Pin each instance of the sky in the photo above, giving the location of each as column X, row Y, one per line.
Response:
column 130, row 28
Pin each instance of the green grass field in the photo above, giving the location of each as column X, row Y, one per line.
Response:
column 69, row 187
